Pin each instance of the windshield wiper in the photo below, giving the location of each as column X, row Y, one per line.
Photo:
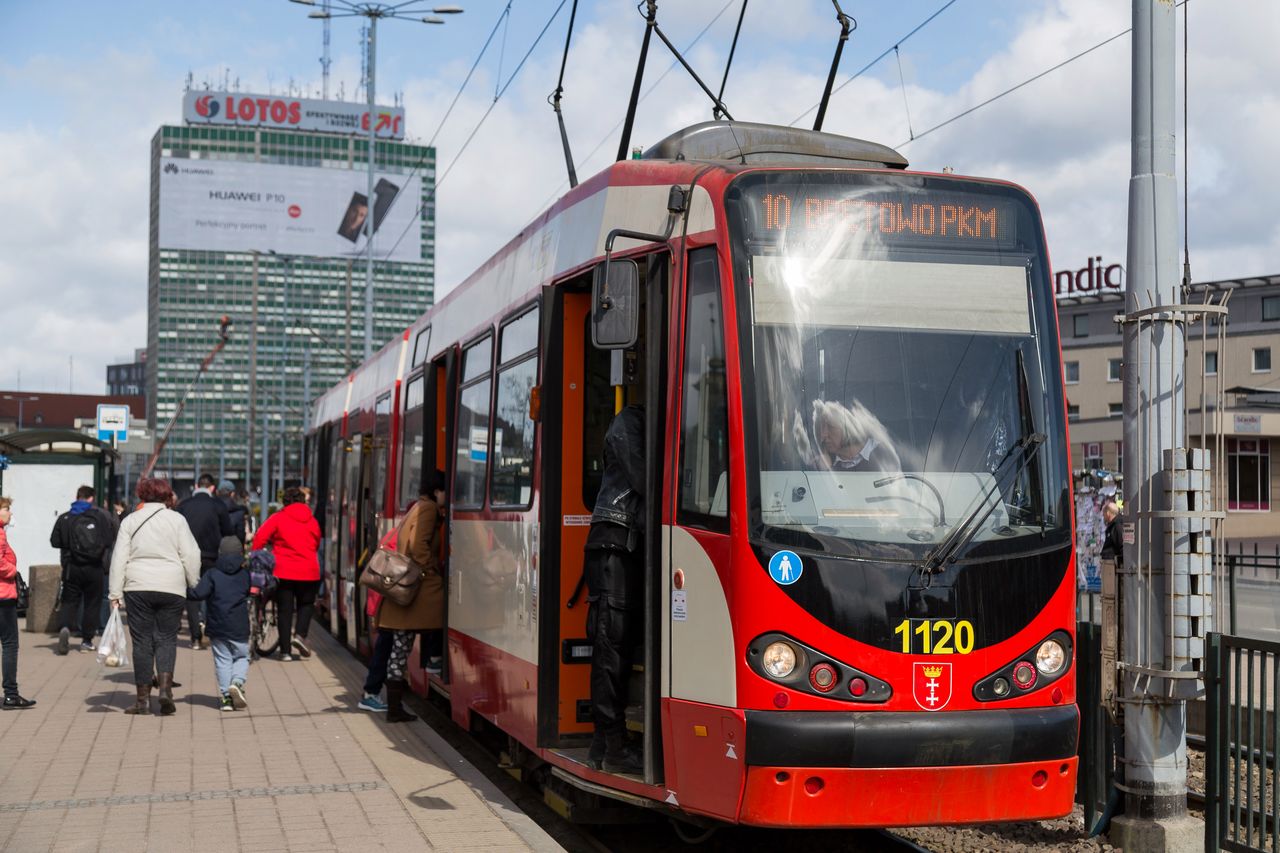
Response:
column 968, row 528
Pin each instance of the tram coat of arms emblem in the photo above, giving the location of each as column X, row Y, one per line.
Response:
column 931, row 685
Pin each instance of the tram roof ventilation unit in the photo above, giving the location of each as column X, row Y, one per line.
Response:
column 772, row 145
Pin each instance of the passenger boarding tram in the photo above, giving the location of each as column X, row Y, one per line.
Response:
column 859, row 604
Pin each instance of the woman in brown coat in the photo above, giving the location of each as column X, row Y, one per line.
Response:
column 419, row 539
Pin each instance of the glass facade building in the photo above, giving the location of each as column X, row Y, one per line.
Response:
column 309, row 310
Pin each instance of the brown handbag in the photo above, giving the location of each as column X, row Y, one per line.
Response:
column 393, row 575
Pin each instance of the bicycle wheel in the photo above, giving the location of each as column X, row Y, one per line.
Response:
column 268, row 632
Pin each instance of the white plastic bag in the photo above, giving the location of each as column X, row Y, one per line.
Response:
column 113, row 648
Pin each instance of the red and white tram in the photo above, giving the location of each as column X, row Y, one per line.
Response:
column 859, row 570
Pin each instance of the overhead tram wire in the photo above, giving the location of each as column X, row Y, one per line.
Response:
column 612, row 131
column 864, row 69
column 431, row 143
column 461, row 150
column 1029, row 80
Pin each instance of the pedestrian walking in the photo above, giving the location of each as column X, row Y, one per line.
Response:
column 235, row 510
column 293, row 535
column 155, row 561
column 226, row 592
column 13, row 700
column 84, row 535
column 419, row 539
column 209, row 521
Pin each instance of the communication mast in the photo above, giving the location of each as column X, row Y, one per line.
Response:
column 324, row 57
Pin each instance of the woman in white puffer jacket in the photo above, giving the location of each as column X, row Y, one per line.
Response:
column 155, row 561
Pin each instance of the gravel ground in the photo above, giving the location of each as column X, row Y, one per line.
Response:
column 1066, row 833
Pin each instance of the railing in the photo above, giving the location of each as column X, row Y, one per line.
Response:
column 1248, row 564
column 1094, row 788
column 1242, row 693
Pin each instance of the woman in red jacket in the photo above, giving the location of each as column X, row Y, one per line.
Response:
column 9, row 614
column 293, row 535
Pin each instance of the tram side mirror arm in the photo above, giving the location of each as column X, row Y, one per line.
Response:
column 615, row 304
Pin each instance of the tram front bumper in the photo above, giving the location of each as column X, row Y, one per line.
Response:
column 807, row 769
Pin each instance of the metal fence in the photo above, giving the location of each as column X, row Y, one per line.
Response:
column 1242, row 733
column 1248, row 563
column 1094, row 783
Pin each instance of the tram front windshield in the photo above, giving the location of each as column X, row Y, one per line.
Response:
column 902, row 390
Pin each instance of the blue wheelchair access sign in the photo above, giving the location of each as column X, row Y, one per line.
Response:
column 785, row 567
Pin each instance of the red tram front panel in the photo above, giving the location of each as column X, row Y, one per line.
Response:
column 886, row 630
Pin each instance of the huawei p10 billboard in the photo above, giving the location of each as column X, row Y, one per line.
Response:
column 228, row 206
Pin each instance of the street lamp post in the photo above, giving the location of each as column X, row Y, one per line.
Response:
column 21, row 399
column 409, row 11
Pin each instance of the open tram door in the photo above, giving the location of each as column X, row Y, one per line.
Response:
column 582, row 388
column 439, row 386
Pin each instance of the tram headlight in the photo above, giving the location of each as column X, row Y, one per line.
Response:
column 1050, row 657
column 779, row 660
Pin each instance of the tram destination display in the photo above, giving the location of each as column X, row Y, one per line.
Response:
column 816, row 207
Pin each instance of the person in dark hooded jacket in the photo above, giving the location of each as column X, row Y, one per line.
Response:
column 613, row 565
column 225, row 588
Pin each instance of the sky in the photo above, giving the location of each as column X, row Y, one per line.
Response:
column 83, row 91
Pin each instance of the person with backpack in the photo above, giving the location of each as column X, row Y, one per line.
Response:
column 85, row 535
column 226, row 592
column 209, row 521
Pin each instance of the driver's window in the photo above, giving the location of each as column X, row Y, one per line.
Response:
column 704, row 418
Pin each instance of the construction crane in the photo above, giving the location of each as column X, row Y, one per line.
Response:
column 224, row 335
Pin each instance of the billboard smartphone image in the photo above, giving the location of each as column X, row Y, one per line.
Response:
column 225, row 206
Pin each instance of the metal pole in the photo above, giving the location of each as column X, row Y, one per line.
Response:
column 280, row 461
column 1155, row 725
column 284, row 367
column 253, row 381
column 347, row 366
column 368, row 215
column 199, row 435
column 306, row 388
column 264, row 481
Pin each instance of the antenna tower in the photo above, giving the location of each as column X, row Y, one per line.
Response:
column 324, row 57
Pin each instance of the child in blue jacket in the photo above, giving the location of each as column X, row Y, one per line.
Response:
column 226, row 589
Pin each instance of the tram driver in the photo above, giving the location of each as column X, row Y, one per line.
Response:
column 850, row 438
column 614, row 566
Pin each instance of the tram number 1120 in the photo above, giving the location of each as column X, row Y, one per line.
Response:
column 935, row 636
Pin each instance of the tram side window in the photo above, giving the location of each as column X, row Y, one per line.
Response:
column 513, row 430
column 472, row 451
column 411, row 448
column 381, row 450
column 704, row 430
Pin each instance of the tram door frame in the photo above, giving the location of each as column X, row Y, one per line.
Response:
column 336, row 447
column 374, row 521
column 440, row 378
column 563, row 674
column 355, row 476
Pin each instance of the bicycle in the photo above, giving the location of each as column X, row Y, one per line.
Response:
column 264, row 626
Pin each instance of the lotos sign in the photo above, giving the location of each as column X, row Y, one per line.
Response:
column 244, row 110
column 1093, row 277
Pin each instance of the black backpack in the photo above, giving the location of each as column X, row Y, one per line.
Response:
column 87, row 537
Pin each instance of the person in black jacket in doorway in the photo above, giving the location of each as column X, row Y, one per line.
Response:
column 209, row 521
column 84, row 535
column 614, row 566
column 226, row 590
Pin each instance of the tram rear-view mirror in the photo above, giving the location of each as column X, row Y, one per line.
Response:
column 615, row 313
